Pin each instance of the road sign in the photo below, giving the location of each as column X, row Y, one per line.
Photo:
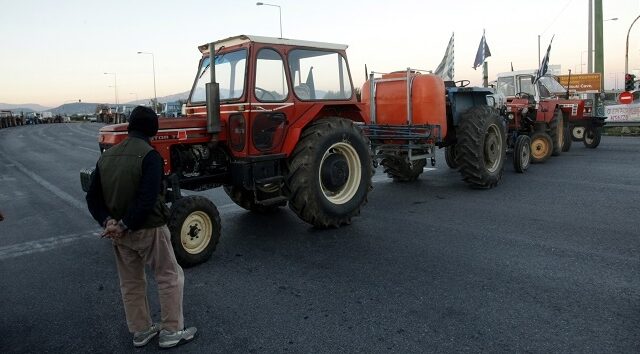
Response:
column 586, row 83
column 625, row 97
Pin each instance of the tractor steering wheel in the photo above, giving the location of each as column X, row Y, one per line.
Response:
column 522, row 94
column 463, row 83
column 264, row 95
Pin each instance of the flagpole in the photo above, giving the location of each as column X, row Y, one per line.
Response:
column 485, row 74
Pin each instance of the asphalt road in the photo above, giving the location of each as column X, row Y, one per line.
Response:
column 546, row 262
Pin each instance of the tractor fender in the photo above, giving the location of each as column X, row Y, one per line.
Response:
column 315, row 112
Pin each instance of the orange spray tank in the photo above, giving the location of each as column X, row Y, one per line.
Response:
column 426, row 107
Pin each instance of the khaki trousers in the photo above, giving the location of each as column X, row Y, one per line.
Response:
column 153, row 247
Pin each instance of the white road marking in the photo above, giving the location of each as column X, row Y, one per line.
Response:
column 47, row 244
column 92, row 150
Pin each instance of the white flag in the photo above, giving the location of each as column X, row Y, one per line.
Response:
column 445, row 70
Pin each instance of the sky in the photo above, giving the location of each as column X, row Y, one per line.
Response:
column 56, row 52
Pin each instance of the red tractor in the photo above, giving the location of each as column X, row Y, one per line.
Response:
column 538, row 110
column 277, row 122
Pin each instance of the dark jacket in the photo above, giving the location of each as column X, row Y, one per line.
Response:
column 127, row 185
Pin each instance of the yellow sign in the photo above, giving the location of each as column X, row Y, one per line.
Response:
column 582, row 82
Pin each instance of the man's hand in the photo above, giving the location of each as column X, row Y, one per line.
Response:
column 113, row 230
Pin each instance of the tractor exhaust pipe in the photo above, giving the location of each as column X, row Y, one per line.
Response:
column 213, row 96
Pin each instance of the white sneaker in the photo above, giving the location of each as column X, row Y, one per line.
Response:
column 171, row 339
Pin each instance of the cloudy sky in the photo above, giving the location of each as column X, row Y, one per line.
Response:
column 55, row 52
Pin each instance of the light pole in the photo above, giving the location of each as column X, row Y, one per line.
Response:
column 155, row 96
column 279, row 12
column 115, row 86
column 626, row 52
column 581, row 62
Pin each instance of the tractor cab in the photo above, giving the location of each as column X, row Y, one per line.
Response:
column 517, row 85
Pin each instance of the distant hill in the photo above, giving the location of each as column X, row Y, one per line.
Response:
column 164, row 99
column 80, row 108
column 25, row 107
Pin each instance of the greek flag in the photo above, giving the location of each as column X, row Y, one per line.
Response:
column 445, row 70
column 483, row 52
column 544, row 65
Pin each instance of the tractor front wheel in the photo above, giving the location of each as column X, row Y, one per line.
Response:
column 450, row 157
column 541, row 147
column 568, row 139
column 195, row 229
column 329, row 173
column 592, row 137
column 480, row 150
column 522, row 153
column 577, row 133
column 556, row 132
column 401, row 170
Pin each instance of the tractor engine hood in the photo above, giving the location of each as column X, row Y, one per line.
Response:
column 169, row 129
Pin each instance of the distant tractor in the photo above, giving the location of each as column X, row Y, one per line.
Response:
column 540, row 110
column 7, row 119
column 410, row 114
column 277, row 122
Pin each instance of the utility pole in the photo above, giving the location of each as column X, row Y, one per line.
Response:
column 599, row 43
column 590, row 40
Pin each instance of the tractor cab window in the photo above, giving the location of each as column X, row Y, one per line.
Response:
column 506, row 86
column 550, row 87
column 271, row 82
column 526, row 85
column 230, row 75
column 319, row 75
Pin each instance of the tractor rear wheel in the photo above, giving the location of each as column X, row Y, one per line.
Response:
column 556, row 132
column 592, row 137
column 541, row 147
column 399, row 168
column 480, row 150
column 329, row 173
column 195, row 229
column 450, row 157
column 568, row 140
column 522, row 153
column 247, row 200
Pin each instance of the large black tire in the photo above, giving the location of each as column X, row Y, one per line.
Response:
column 246, row 199
column 522, row 153
column 556, row 132
column 450, row 157
column 592, row 137
column 329, row 173
column 568, row 139
column 541, row 147
column 195, row 229
column 401, row 170
column 481, row 147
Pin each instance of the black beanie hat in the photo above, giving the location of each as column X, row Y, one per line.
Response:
column 144, row 120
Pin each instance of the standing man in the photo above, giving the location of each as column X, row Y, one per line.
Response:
column 127, row 198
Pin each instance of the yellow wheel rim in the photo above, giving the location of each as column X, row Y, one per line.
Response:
column 195, row 233
column 539, row 148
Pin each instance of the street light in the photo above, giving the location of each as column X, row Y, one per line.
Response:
column 279, row 11
column 133, row 93
column 155, row 96
column 626, row 52
column 115, row 85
